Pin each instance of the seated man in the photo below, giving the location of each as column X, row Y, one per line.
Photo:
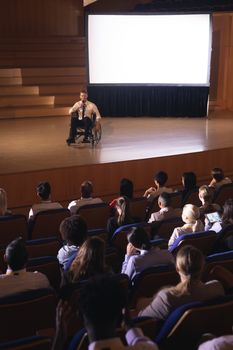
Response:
column 43, row 191
column 160, row 180
column 17, row 279
column 81, row 116
column 86, row 198
column 166, row 211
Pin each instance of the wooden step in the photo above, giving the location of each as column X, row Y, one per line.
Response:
column 43, row 39
column 42, row 62
column 61, row 89
column 15, row 101
column 10, row 81
column 51, row 71
column 40, row 80
column 33, row 112
column 42, row 47
column 43, row 54
column 10, row 73
column 19, row 90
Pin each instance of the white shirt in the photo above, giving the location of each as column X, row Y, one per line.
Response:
column 44, row 205
column 135, row 340
column 21, row 281
column 147, row 258
column 222, row 343
column 65, row 253
column 90, row 108
column 76, row 204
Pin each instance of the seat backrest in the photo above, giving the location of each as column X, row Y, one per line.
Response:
column 46, row 223
column 223, row 193
column 224, row 259
column 164, row 229
column 146, row 283
column 201, row 240
column 95, row 215
column 29, row 343
column 195, row 319
column 11, row 227
column 192, row 197
column 49, row 266
column 37, row 248
column 26, row 313
column 138, row 208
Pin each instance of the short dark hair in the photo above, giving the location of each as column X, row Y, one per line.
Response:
column 16, row 254
column 165, row 199
column 227, row 215
column 161, row 177
column 139, row 238
column 84, row 91
column 217, row 174
column 86, row 189
column 190, row 180
column 74, row 230
column 102, row 299
column 126, row 188
column 43, row 189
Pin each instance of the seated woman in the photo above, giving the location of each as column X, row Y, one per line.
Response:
column 122, row 216
column 3, row 203
column 89, row 261
column 205, row 196
column 126, row 190
column 189, row 182
column 225, row 220
column 141, row 255
column 190, row 216
column 189, row 264
column 218, row 178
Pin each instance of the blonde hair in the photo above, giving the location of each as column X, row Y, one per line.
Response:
column 3, row 202
column 190, row 215
column 189, row 262
column 205, row 193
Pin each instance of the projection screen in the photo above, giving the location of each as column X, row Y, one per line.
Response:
column 149, row 49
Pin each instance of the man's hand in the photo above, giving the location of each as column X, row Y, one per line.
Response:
column 131, row 250
column 149, row 191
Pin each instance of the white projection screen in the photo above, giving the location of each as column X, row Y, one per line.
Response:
column 171, row 49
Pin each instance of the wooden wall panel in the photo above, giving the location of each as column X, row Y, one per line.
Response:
column 41, row 17
column 66, row 182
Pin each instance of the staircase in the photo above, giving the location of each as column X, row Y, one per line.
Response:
column 40, row 77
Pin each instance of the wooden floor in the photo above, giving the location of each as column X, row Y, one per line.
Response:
column 36, row 144
column 34, row 150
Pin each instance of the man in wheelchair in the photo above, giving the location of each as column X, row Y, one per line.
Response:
column 84, row 114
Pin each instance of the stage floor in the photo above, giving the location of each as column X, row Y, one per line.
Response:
column 39, row 143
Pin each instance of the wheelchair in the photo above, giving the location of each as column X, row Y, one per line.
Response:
column 94, row 135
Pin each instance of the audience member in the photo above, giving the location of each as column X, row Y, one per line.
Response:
column 189, row 182
column 74, row 232
column 3, row 203
column 225, row 220
column 122, row 216
column 166, row 211
column 17, row 279
column 43, row 191
column 89, row 261
column 205, row 196
column 189, row 264
column 140, row 254
column 103, row 303
column 160, row 180
column 218, row 178
column 126, row 190
column 221, row 343
column 86, row 190
column 190, row 216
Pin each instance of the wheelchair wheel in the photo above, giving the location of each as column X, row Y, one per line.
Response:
column 96, row 136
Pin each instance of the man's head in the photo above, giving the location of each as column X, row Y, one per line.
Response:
column 217, row 174
column 16, row 255
column 83, row 95
column 43, row 190
column 101, row 302
column 74, row 230
column 160, row 178
column 86, row 189
column 139, row 238
column 164, row 200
